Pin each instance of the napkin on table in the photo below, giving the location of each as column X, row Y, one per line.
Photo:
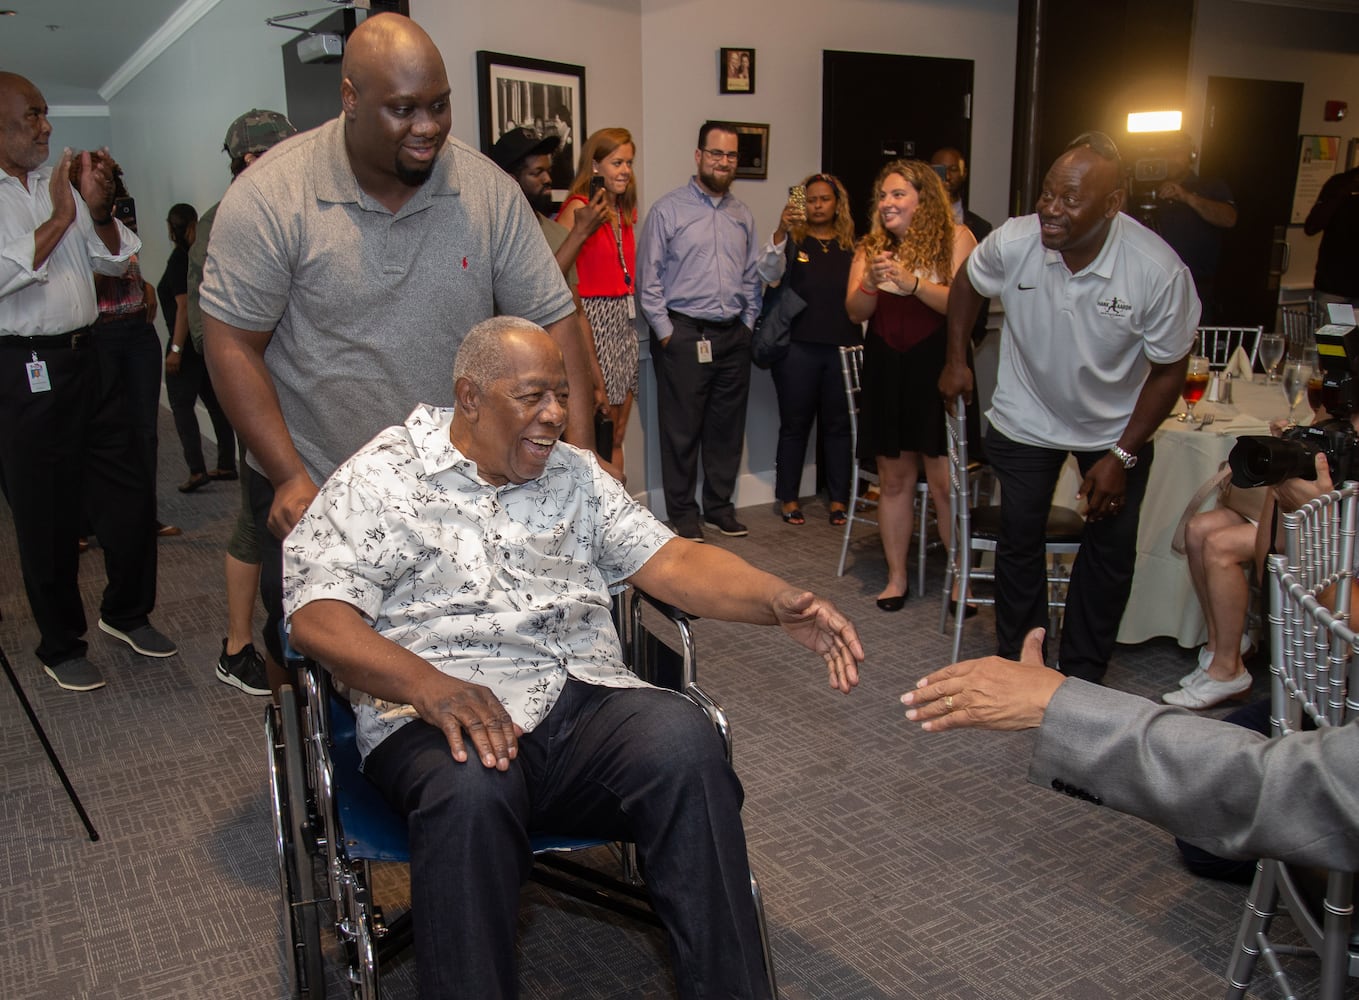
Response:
column 1239, row 364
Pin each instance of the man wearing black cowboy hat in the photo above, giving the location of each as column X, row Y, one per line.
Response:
column 526, row 155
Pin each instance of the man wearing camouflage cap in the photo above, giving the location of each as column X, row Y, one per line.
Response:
column 240, row 664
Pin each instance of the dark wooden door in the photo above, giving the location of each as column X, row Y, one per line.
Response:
column 869, row 118
column 1250, row 140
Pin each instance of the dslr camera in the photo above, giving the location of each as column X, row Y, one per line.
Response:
column 1266, row 461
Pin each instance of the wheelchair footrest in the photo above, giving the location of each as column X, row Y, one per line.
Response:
column 593, row 886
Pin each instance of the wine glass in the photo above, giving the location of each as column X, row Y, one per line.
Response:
column 1195, row 385
column 1295, row 378
column 1271, row 353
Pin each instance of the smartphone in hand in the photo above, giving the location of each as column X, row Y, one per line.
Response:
column 596, row 185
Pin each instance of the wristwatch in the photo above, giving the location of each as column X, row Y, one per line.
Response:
column 179, row 350
column 1124, row 455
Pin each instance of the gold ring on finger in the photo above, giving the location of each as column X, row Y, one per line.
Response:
column 948, row 703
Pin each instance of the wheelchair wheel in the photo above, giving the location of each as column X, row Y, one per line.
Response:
column 294, row 845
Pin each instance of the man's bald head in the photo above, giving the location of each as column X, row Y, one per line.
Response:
column 1082, row 193
column 24, row 129
column 380, row 40
column 395, row 96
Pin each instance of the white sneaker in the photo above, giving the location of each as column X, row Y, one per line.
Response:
column 1205, row 692
column 1206, row 659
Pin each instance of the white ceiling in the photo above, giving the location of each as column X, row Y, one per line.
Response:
column 74, row 49
column 91, row 41
column 81, row 52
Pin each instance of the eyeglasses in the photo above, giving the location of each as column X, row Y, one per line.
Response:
column 719, row 155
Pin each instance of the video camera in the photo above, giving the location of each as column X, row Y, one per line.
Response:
column 1262, row 460
column 1150, row 160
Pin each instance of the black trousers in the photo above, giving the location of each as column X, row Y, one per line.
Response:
column 184, row 390
column 59, row 449
column 811, row 389
column 129, row 357
column 702, row 413
column 1101, row 577
column 636, row 764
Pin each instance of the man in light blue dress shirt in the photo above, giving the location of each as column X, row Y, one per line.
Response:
column 700, row 294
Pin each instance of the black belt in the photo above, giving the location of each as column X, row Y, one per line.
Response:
column 75, row 340
column 705, row 324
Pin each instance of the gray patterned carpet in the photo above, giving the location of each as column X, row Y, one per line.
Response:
column 894, row 863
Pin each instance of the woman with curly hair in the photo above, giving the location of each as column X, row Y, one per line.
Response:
column 606, row 267
column 807, row 379
column 899, row 283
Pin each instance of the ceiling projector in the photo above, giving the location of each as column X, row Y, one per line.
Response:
column 320, row 47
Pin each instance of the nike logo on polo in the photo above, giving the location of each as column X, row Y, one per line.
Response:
column 1026, row 288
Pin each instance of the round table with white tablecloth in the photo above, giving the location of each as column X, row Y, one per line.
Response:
column 1163, row 600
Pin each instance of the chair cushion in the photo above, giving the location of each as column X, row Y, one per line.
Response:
column 1064, row 524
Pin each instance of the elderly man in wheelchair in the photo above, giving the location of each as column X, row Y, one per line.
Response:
column 454, row 575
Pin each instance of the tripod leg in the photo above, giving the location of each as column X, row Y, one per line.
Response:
column 51, row 754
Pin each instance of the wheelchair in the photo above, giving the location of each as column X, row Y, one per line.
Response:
column 331, row 824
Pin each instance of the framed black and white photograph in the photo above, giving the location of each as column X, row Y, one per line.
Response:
column 752, row 150
column 736, row 71
column 548, row 97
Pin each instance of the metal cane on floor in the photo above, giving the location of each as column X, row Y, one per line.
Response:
column 42, row 736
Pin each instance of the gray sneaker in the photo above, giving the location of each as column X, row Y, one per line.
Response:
column 144, row 639
column 78, row 674
column 244, row 670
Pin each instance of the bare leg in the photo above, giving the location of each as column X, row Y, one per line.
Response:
column 619, row 415
column 1200, row 528
column 242, row 583
column 1228, row 595
column 896, row 517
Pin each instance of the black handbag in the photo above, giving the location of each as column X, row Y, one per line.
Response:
column 774, row 326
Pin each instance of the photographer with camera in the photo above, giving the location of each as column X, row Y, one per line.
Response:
column 1222, row 541
column 1296, row 464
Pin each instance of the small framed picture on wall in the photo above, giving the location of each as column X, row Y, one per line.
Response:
column 736, row 71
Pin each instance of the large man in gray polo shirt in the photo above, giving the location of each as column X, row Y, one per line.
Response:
column 1100, row 315
column 346, row 267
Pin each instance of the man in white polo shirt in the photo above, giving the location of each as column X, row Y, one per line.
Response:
column 1100, row 315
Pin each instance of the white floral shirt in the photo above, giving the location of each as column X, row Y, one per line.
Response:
column 502, row 586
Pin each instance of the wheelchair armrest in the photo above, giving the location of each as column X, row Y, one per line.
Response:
column 715, row 712
column 669, row 610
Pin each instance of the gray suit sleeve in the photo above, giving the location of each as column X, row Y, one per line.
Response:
column 1222, row 787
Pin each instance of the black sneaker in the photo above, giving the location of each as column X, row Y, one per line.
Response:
column 691, row 530
column 144, row 639
column 75, row 674
column 728, row 525
column 244, row 670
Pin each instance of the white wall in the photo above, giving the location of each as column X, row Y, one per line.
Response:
column 170, row 120
column 79, row 131
column 1320, row 49
column 680, row 39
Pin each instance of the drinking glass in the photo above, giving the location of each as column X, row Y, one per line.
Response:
column 1314, row 383
column 1295, row 378
column 1195, row 384
column 1271, row 353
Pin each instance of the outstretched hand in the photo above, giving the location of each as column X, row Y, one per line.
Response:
column 821, row 627
column 990, row 693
